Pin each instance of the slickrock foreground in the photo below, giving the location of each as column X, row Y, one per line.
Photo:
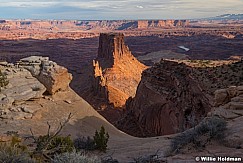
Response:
column 22, row 87
column 116, row 71
column 29, row 79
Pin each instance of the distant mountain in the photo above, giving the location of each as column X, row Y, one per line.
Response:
column 227, row 17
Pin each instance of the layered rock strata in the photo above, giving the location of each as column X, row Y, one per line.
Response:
column 28, row 80
column 22, row 87
column 145, row 24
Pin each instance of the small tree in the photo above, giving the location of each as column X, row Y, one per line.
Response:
column 101, row 139
column 3, row 80
column 51, row 143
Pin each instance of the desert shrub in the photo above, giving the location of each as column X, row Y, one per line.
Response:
column 153, row 158
column 101, row 139
column 58, row 144
column 145, row 159
column 16, row 141
column 3, row 80
column 109, row 159
column 14, row 152
column 74, row 157
column 215, row 126
column 51, row 143
column 84, row 143
column 211, row 128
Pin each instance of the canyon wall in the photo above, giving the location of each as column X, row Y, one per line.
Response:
column 168, row 100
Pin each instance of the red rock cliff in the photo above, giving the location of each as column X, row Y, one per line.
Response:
column 168, row 99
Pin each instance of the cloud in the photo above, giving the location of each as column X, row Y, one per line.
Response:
column 117, row 9
column 140, row 7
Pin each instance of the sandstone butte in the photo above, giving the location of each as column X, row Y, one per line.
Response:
column 116, row 71
column 54, row 108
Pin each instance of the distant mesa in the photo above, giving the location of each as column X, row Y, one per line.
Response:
column 162, row 23
column 116, row 71
column 92, row 24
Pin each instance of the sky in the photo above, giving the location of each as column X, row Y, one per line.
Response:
column 117, row 9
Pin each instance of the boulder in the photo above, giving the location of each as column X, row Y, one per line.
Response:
column 51, row 75
column 231, row 108
column 55, row 79
column 6, row 102
column 232, row 91
column 220, row 97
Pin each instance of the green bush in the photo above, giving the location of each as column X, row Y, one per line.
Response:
column 57, row 145
column 212, row 128
column 46, row 146
column 3, row 80
column 85, row 143
column 101, row 139
column 74, row 157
